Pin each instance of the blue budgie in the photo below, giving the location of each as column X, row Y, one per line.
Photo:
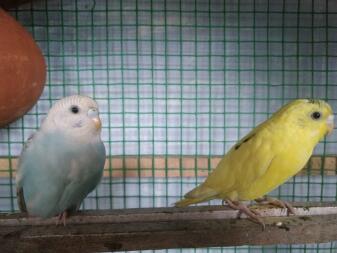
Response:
column 63, row 161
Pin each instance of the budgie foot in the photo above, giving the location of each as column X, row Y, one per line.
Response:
column 252, row 214
column 277, row 203
column 62, row 217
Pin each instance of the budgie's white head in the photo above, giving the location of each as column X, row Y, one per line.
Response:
column 76, row 115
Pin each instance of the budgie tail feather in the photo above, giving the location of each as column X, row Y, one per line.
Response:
column 199, row 194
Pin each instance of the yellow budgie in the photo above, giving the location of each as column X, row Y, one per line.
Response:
column 266, row 157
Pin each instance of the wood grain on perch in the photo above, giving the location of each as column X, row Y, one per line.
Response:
column 161, row 228
column 177, row 166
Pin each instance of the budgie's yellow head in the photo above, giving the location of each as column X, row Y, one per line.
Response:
column 314, row 116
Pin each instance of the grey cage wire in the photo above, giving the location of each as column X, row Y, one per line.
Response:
column 180, row 78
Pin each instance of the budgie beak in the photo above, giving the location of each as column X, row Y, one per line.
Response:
column 330, row 123
column 93, row 114
column 97, row 122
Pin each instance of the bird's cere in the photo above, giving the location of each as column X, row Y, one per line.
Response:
column 93, row 113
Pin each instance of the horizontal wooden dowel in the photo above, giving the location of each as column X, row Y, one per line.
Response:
column 177, row 166
column 160, row 228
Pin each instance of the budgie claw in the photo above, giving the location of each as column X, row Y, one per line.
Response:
column 252, row 214
column 62, row 216
column 277, row 203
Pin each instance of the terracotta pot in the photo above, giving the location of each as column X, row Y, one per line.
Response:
column 22, row 70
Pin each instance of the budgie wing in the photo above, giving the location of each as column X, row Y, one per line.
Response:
column 21, row 199
column 247, row 161
column 19, row 189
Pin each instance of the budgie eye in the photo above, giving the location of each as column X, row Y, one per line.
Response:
column 316, row 115
column 74, row 109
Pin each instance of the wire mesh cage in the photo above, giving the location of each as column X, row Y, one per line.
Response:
column 178, row 83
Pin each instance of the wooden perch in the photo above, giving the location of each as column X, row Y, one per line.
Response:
column 176, row 166
column 161, row 228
